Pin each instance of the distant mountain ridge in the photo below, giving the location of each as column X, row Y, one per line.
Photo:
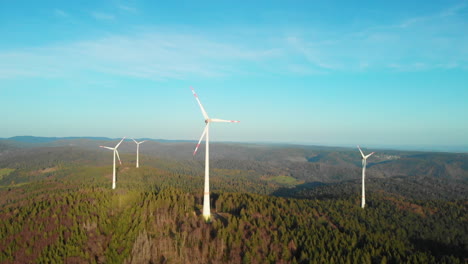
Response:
column 303, row 163
column 450, row 149
column 33, row 139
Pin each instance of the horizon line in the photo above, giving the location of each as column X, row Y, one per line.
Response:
column 407, row 147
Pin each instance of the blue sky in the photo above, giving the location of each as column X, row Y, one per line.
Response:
column 389, row 73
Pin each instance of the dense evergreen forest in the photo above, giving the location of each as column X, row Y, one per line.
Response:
column 56, row 206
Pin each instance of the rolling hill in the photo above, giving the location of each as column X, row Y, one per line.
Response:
column 271, row 204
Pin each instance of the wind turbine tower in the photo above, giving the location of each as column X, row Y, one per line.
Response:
column 364, row 163
column 116, row 152
column 206, row 132
column 138, row 151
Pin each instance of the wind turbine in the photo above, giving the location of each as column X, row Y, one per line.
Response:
column 364, row 163
column 206, row 132
column 115, row 152
column 138, row 150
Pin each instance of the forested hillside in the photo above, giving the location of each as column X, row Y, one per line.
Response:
column 55, row 221
column 303, row 163
column 57, row 206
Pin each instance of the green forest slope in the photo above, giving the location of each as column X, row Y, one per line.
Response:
column 56, row 206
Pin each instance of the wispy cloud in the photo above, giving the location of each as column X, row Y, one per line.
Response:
column 60, row 13
column 453, row 10
column 102, row 16
column 312, row 52
column 417, row 43
column 435, row 41
column 127, row 8
column 449, row 12
column 156, row 56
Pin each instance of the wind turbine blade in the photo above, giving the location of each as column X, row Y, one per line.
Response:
column 205, row 115
column 120, row 143
column 369, row 155
column 223, row 121
column 106, row 147
column 202, row 135
column 362, row 154
column 134, row 141
column 117, row 152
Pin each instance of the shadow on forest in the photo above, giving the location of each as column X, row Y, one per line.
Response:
column 440, row 249
column 316, row 158
column 291, row 192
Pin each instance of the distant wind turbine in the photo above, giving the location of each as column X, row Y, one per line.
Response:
column 364, row 163
column 116, row 152
column 138, row 150
column 206, row 132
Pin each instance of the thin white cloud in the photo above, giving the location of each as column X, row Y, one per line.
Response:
column 439, row 42
column 454, row 9
column 127, row 8
column 311, row 53
column 156, row 56
column 60, row 13
column 414, row 44
column 447, row 13
column 102, row 16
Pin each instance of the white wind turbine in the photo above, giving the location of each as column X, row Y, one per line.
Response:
column 116, row 152
column 364, row 163
column 138, row 150
column 206, row 131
